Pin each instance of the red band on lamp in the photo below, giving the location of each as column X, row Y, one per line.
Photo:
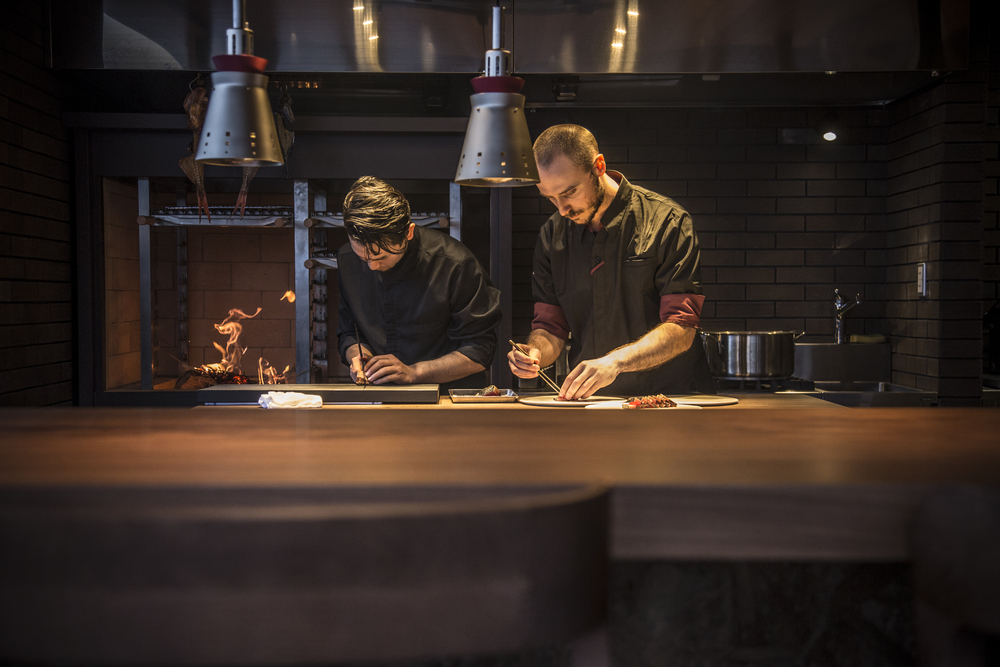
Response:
column 240, row 63
column 497, row 84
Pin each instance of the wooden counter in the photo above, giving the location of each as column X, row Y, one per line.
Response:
column 715, row 483
column 749, row 401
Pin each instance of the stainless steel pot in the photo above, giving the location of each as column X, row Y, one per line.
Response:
column 750, row 355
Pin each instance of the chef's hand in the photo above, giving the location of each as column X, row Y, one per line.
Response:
column 386, row 368
column 588, row 377
column 358, row 365
column 524, row 365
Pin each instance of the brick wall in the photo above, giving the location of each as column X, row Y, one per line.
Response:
column 781, row 224
column 991, row 214
column 36, row 292
column 121, row 285
column 936, row 206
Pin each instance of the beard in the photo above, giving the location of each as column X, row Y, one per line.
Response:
column 585, row 216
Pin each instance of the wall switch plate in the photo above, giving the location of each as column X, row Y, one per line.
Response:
column 922, row 279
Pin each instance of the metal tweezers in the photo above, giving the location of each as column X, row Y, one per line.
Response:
column 361, row 353
column 541, row 373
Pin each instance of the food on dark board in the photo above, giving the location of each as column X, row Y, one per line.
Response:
column 654, row 401
column 489, row 391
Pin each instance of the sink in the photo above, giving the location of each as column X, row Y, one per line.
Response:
column 843, row 363
column 873, row 394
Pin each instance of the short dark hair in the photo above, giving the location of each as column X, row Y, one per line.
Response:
column 376, row 215
column 573, row 141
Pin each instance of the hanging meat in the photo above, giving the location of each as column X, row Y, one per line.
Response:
column 196, row 104
column 283, row 120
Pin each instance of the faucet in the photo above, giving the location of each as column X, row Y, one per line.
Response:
column 842, row 305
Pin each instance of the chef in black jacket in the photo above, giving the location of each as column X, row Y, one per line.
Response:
column 420, row 302
column 617, row 266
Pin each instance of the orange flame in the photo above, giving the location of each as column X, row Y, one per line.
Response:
column 290, row 295
column 267, row 374
column 232, row 353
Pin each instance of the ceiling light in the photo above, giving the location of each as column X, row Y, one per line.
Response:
column 617, row 45
column 368, row 22
column 239, row 125
column 359, row 8
column 827, row 127
column 373, row 37
column 497, row 150
column 633, row 13
column 620, row 30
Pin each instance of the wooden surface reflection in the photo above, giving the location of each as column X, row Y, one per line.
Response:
column 234, row 446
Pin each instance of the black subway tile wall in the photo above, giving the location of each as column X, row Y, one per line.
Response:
column 991, row 182
column 937, row 149
column 36, row 292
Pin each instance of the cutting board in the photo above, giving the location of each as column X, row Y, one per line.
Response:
column 705, row 400
column 238, row 394
column 551, row 402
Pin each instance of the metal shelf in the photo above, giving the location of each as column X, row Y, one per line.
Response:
column 222, row 216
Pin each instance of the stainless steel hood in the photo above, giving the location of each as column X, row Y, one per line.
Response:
column 549, row 36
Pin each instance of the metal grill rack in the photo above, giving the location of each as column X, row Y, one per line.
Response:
column 221, row 216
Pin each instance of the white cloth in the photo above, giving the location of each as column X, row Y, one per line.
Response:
column 289, row 399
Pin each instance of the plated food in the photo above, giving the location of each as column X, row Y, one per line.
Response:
column 484, row 395
column 644, row 402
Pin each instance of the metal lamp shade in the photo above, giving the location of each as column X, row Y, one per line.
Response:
column 497, row 150
column 239, row 126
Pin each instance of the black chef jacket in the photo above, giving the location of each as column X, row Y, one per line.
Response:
column 434, row 301
column 609, row 285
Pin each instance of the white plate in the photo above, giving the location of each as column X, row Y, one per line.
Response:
column 706, row 400
column 551, row 402
column 618, row 405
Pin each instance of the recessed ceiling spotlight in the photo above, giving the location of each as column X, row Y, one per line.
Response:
column 617, row 45
column 633, row 13
column 827, row 127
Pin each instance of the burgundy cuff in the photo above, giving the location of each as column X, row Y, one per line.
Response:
column 681, row 309
column 552, row 319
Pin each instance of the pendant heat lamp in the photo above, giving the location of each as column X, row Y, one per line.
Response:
column 239, row 126
column 497, row 150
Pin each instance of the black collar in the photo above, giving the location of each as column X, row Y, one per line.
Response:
column 618, row 206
